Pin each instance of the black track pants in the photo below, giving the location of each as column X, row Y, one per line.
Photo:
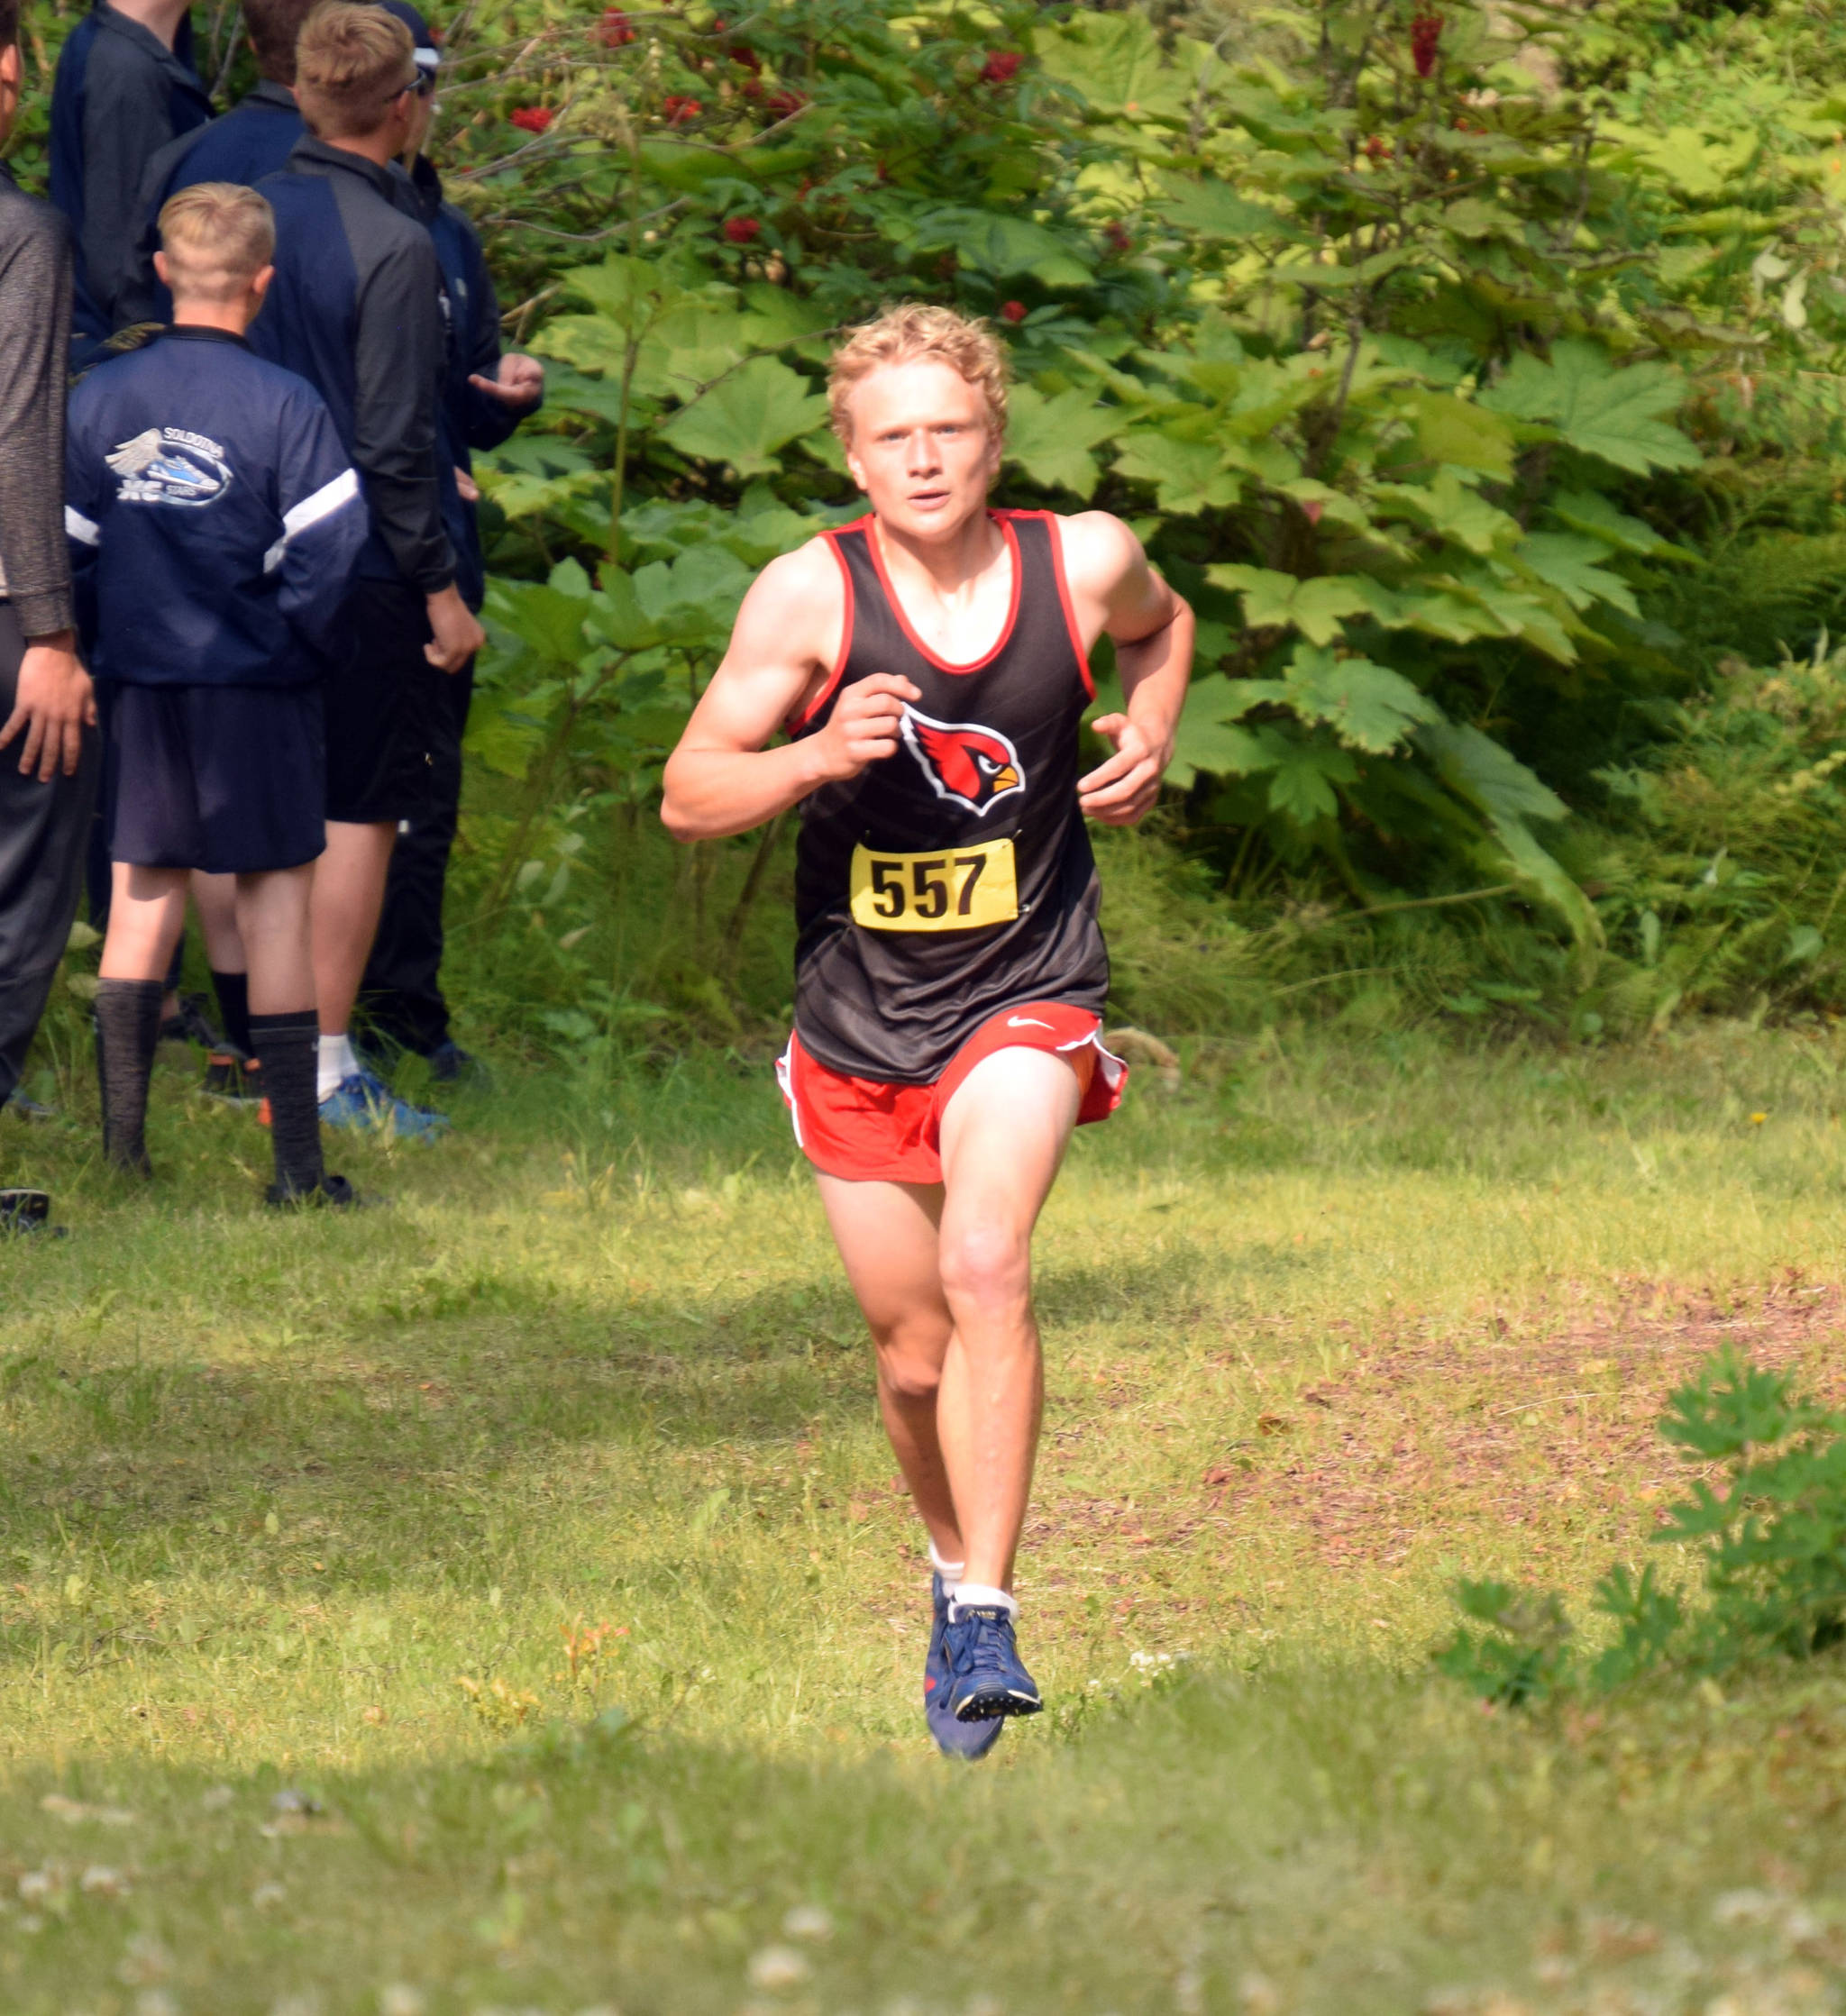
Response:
column 43, row 831
column 401, row 993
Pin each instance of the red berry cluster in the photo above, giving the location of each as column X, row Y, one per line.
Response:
column 741, row 231
column 1000, row 66
column 616, row 29
column 1425, row 40
column 1377, row 149
column 1012, row 311
column 678, row 111
column 533, row 118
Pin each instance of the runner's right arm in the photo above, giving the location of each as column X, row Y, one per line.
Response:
column 722, row 779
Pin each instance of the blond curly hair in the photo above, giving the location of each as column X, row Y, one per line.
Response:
column 908, row 333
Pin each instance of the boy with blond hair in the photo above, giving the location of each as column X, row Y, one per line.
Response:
column 930, row 664
column 215, row 525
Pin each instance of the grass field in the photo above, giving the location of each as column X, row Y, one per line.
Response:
column 501, row 1601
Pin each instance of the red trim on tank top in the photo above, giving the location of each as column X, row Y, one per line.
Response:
column 797, row 721
column 1002, row 519
column 1055, row 532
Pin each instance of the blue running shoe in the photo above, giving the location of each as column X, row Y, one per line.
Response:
column 366, row 1105
column 986, row 1678
column 953, row 1739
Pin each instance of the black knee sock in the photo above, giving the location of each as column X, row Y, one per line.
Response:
column 233, row 990
column 128, row 1032
column 287, row 1047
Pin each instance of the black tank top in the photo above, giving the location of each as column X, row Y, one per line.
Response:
column 953, row 879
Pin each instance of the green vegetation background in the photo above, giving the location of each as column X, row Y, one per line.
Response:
column 1474, row 371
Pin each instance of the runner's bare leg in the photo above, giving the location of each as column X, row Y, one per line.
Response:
column 886, row 1234
column 1003, row 1136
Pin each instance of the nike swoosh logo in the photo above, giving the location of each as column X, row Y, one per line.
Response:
column 1026, row 1022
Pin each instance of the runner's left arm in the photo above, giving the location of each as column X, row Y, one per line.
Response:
column 1151, row 627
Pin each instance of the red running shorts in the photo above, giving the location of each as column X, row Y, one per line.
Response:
column 871, row 1132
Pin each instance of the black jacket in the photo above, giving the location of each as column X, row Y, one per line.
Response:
column 120, row 97
column 35, row 334
column 254, row 139
column 357, row 308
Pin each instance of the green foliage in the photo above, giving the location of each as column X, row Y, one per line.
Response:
column 1768, row 1545
column 1482, row 401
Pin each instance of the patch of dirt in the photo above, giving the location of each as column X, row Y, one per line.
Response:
column 1544, row 1418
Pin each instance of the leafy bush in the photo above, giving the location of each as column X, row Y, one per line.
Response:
column 1768, row 1549
column 1476, row 373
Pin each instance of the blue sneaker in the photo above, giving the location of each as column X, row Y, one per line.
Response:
column 953, row 1739
column 367, row 1105
column 986, row 1678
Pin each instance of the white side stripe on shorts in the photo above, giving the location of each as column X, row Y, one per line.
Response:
column 81, row 527
column 326, row 500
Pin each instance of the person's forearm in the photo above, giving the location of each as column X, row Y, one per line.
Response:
column 1153, row 674
column 713, row 793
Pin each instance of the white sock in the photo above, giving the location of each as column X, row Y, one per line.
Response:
column 977, row 1596
column 950, row 1571
column 337, row 1063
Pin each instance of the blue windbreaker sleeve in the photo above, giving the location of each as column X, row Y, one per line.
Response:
column 489, row 421
column 87, row 488
column 323, row 524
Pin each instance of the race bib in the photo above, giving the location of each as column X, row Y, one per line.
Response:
column 958, row 890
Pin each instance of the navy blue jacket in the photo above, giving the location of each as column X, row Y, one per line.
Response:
column 214, row 520
column 120, row 97
column 254, row 139
column 470, row 419
column 356, row 307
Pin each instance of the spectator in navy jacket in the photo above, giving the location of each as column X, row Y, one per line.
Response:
column 215, row 524
column 125, row 86
column 254, row 139
column 485, row 397
column 358, row 308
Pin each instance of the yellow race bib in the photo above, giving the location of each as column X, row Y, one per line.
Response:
column 958, row 889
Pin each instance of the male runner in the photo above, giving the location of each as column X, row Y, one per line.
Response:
column 930, row 664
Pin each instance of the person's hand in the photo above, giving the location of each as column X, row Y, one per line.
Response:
column 520, row 383
column 466, row 487
column 456, row 636
column 866, row 725
column 54, row 703
column 1123, row 790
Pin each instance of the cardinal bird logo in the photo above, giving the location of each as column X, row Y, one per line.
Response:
column 965, row 762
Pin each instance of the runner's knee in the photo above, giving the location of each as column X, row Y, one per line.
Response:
column 910, row 1350
column 986, row 1265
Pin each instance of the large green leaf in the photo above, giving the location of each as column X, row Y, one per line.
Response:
column 1276, row 601
column 1188, row 476
column 1205, row 739
column 1214, row 210
column 1300, row 787
column 1603, row 409
column 1461, row 432
column 743, row 420
column 1571, row 564
column 1368, row 706
column 1589, row 511
column 1115, row 62
column 1450, row 509
column 1051, row 439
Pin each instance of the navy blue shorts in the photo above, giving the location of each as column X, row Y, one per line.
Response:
column 230, row 779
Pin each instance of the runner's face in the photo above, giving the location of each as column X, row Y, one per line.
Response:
column 922, row 450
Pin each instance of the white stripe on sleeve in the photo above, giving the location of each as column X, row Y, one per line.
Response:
column 78, row 526
column 326, row 500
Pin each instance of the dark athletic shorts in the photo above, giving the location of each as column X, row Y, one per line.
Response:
column 230, row 779
column 378, row 758
column 871, row 1132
